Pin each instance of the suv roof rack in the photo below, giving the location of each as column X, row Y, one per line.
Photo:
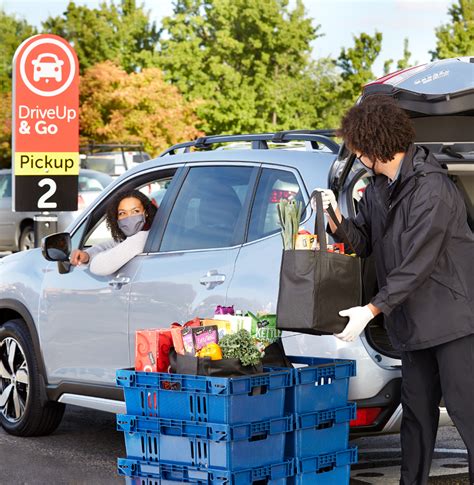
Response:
column 260, row 141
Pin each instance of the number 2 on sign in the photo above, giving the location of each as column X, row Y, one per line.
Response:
column 42, row 202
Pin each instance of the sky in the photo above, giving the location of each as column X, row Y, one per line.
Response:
column 340, row 20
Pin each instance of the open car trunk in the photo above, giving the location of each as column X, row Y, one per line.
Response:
column 439, row 97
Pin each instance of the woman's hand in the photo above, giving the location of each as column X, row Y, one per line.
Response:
column 79, row 257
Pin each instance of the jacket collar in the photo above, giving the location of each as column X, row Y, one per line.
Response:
column 417, row 162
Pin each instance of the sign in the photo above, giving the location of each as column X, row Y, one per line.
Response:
column 45, row 125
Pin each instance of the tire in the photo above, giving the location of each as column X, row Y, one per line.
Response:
column 27, row 238
column 22, row 412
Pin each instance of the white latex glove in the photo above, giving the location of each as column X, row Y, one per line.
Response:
column 359, row 317
column 328, row 199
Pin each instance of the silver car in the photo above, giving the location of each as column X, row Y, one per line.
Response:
column 215, row 241
column 17, row 228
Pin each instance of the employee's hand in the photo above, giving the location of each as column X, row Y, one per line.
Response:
column 328, row 199
column 79, row 257
column 359, row 317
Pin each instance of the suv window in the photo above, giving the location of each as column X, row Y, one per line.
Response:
column 208, row 212
column 273, row 186
column 154, row 190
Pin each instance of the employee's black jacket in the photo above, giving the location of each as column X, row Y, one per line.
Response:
column 424, row 253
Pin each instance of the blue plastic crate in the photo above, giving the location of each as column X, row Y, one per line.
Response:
column 327, row 469
column 321, row 384
column 199, row 398
column 320, row 432
column 201, row 444
column 153, row 473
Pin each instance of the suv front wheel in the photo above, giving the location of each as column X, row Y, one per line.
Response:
column 21, row 410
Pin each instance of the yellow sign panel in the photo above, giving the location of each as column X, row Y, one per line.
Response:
column 51, row 163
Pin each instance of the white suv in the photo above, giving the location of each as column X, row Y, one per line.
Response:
column 215, row 241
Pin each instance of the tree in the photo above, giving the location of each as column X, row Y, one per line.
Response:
column 119, row 32
column 5, row 129
column 245, row 60
column 13, row 32
column 356, row 64
column 456, row 38
column 137, row 107
column 402, row 63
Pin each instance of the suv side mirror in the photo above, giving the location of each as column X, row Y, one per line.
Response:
column 57, row 247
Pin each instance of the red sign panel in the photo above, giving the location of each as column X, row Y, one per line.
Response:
column 45, row 124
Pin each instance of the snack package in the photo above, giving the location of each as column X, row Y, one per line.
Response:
column 224, row 310
column 305, row 241
column 237, row 322
column 223, row 326
column 264, row 328
column 204, row 336
column 176, row 334
column 188, row 340
column 152, row 347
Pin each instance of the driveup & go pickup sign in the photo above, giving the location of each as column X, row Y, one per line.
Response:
column 45, row 125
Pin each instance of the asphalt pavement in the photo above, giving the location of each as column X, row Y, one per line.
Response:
column 85, row 447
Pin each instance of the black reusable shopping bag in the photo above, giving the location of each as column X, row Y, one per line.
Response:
column 316, row 285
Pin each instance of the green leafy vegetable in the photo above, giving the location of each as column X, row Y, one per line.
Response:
column 289, row 214
column 241, row 346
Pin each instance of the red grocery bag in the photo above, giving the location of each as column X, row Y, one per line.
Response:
column 152, row 347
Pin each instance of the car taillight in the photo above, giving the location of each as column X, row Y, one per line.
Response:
column 365, row 417
column 80, row 202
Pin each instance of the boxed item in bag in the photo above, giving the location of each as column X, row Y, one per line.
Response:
column 152, row 347
column 176, row 334
column 223, row 326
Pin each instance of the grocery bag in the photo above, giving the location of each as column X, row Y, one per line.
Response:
column 316, row 284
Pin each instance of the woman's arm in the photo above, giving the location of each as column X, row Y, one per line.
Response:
column 109, row 261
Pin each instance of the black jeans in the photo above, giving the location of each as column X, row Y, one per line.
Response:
column 445, row 370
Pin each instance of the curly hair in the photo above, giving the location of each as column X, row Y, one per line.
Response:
column 377, row 128
column 112, row 210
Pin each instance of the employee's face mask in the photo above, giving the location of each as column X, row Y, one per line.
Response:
column 368, row 164
column 132, row 224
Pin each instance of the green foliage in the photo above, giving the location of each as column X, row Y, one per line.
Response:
column 356, row 64
column 240, row 345
column 248, row 61
column 119, row 32
column 137, row 107
column 457, row 37
column 13, row 32
column 402, row 63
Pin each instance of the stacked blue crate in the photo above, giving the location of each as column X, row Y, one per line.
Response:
column 205, row 430
column 318, row 401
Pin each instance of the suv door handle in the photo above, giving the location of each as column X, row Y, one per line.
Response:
column 119, row 281
column 212, row 279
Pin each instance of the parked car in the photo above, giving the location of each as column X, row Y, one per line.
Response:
column 112, row 159
column 215, row 240
column 17, row 228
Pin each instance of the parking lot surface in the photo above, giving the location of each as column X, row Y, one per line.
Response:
column 86, row 446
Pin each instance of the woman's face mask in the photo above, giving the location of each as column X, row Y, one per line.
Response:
column 130, row 216
column 132, row 224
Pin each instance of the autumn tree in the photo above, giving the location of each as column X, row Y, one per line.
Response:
column 457, row 37
column 13, row 32
column 247, row 61
column 119, row 32
column 137, row 107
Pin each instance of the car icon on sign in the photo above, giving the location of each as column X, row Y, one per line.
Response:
column 47, row 66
